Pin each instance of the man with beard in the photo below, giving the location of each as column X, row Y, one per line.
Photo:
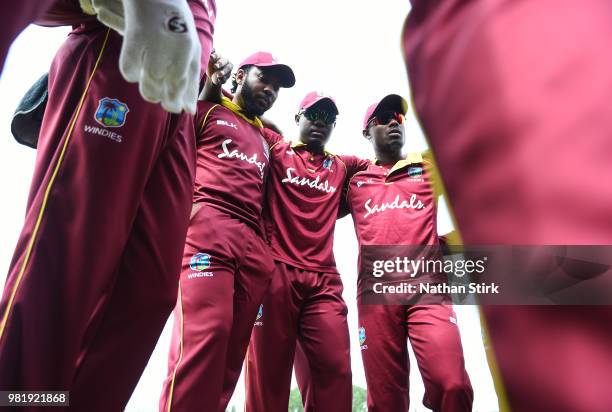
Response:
column 226, row 263
column 304, row 304
column 384, row 328
column 95, row 269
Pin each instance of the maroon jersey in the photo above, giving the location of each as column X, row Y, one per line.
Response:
column 395, row 204
column 232, row 162
column 303, row 198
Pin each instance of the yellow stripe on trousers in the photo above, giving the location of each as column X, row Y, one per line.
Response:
column 43, row 206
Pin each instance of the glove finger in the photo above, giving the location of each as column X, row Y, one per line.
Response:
column 172, row 106
column 151, row 89
column 87, row 7
column 117, row 8
column 174, row 84
column 131, row 60
column 192, row 90
column 176, row 78
column 112, row 20
column 160, row 79
column 174, row 94
column 171, row 59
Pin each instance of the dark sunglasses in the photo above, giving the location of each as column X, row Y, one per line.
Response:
column 317, row 114
column 385, row 118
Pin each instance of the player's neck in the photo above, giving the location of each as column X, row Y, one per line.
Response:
column 315, row 149
column 239, row 101
column 389, row 158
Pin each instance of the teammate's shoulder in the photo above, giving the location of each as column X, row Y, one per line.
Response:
column 427, row 156
column 347, row 158
column 275, row 140
column 204, row 106
column 367, row 169
column 205, row 111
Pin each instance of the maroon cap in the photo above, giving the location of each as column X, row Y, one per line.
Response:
column 265, row 59
column 391, row 102
column 313, row 98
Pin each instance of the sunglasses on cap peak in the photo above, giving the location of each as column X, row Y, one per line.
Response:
column 385, row 118
column 317, row 114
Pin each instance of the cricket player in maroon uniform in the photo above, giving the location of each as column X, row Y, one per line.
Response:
column 304, row 304
column 94, row 275
column 394, row 202
column 226, row 263
column 512, row 96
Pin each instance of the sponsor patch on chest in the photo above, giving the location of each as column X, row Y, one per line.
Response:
column 397, row 203
column 316, row 183
column 252, row 159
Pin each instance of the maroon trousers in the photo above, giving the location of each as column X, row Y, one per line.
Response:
column 434, row 336
column 226, row 271
column 95, row 271
column 306, row 309
column 514, row 98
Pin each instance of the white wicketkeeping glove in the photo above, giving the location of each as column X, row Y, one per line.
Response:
column 161, row 51
column 108, row 12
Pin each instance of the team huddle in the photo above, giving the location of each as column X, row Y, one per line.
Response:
column 252, row 215
column 147, row 199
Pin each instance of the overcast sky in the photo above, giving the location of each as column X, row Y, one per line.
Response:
column 350, row 50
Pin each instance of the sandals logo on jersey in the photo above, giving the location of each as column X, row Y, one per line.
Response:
column 295, row 179
column 362, row 338
column 111, row 112
column 397, row 203
column 258, row 322
column 415, row 171
column 236, row 154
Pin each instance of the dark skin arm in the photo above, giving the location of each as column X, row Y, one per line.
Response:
column 217, row 73
column 270, row 125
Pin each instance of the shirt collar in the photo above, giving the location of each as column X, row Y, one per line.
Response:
column 225, row 102
column 300, row 145
column 411, row 158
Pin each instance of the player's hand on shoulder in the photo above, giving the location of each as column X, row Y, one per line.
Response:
column 161, row 52
column 272, row 127
column 219, row 68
